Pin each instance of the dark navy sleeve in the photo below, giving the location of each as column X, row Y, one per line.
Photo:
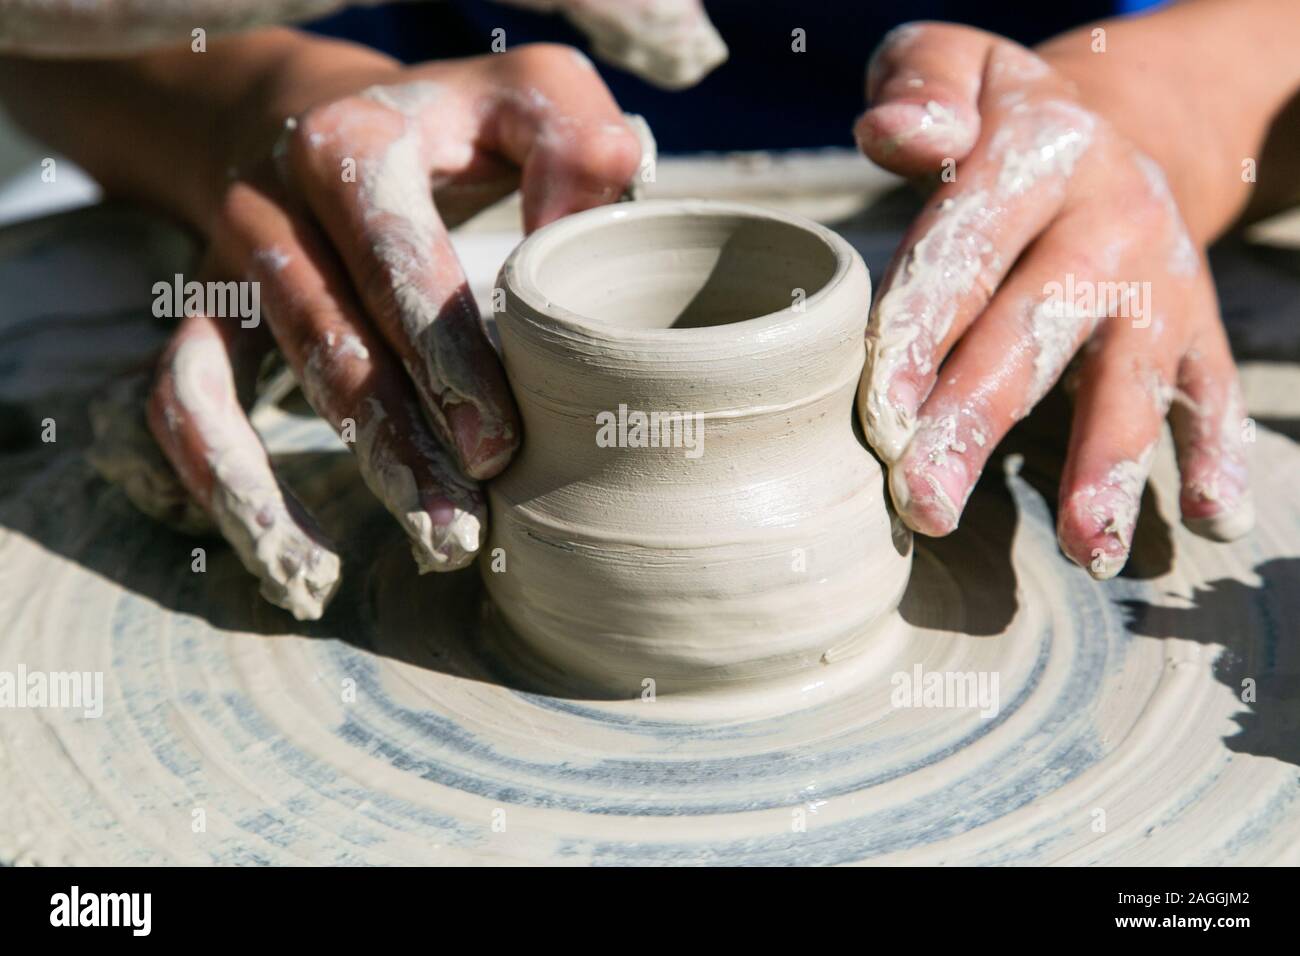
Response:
column 766, row 96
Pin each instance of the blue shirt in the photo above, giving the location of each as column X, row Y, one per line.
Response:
column 766, row 96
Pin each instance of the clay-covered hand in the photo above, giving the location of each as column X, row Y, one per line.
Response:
column 1050, row 234
column 344, row 225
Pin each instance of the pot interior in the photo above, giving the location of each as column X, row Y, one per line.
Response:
column 687, row 269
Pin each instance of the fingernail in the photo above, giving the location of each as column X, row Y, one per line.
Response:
column 484, row 445
column 1105, row 564
column 1096, row 529
column 1097, row 521
column 931, row 482
column 886, row 128
column 449, row 536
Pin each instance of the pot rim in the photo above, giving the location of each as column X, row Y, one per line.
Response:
column 518, row 274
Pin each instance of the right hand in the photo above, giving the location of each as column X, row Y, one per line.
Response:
column 971, row 327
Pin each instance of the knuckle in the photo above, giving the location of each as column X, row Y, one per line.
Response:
column 379, row 283
column 325, row 118
column 314, row 142
column 311, row 130
column 609, row 153
column 299, row 318
column 597, row 155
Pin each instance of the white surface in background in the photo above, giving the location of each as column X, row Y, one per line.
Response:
column 24, row 196
column 22, row 193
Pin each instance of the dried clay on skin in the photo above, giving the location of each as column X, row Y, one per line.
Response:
column 441, row 546
column 298, row 572
column 940, row 127
column 1221, row 476
column 917, row 311
column 1113, row 506
column 426, row 288
column 934, row 456
column 1039, row 145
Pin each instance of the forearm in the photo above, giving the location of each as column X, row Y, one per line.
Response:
column 1200, row 87
column 165, row 127
column 129, row 26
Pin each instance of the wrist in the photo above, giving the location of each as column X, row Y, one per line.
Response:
column 280, row 74
column 1143, row 105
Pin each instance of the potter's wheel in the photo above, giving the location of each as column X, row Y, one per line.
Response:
column 1117, row 707
column 1120, row 735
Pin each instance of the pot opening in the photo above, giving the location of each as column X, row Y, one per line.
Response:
column 684, row 270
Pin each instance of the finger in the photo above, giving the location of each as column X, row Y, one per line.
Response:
column 354, row 382
column 570, row 138
column 1003, row 366
column 201, row 427
column 1209, row 426
column 923, row 86
column 398, row 254
column 1125, row 387
column 952, row 258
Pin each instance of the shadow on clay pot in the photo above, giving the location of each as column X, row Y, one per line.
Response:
column 730, row 292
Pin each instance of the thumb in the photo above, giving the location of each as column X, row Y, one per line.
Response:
column 923, row 87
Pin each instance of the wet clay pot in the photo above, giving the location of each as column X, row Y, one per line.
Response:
column 692, row 504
